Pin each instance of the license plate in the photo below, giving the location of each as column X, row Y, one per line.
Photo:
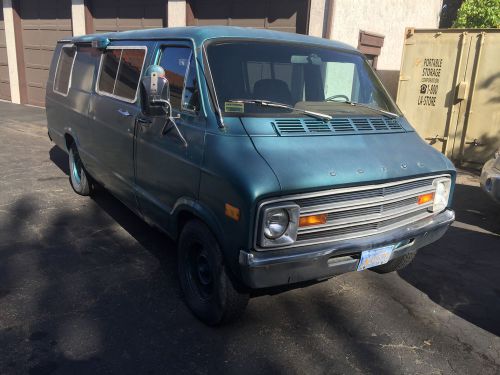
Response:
column 375, row 257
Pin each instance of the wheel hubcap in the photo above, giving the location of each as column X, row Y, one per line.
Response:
column 200, row 271
column 76, row 171
column 204, row 270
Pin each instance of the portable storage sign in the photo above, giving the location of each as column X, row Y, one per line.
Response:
column 449, row 88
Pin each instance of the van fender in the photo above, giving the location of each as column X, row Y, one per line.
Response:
column 196, row 209
column 69, row 131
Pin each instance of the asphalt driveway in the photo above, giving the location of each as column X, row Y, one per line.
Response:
column 87, row 287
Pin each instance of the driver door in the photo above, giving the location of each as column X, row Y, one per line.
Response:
column 166, row 168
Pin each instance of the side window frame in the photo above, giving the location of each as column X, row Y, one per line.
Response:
column 183, row 108
column 187, row 43
column 71, row 72
column 112, row 95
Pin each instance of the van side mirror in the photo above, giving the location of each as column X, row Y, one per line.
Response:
column 155, row 91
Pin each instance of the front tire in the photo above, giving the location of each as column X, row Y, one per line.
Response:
column 77, row 176
column 208, row 290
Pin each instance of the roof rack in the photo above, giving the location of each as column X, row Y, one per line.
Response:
column 99, row 42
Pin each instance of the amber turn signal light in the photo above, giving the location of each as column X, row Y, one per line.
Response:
column 232, row 212
column 425, row 198
column 306, row 221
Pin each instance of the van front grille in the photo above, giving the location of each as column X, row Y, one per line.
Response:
column 364, row 210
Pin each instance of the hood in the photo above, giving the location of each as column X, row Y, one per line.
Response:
column 315, row 162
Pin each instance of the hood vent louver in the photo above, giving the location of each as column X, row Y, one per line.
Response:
column 338, row 125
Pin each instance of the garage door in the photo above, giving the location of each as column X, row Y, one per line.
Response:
column 121, row 15
column 4, row 69
column 43, row 22
column 282, row 15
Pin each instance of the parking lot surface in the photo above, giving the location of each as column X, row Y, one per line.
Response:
column 87, row 287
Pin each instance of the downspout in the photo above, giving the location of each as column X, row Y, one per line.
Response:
column 329, row 10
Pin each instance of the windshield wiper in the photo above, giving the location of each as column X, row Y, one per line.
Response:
column 268, row 103
column 356, row 104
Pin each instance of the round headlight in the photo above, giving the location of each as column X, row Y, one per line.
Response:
column 276, row 223
column 441, row 195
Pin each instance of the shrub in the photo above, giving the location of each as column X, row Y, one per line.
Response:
column 478, row 14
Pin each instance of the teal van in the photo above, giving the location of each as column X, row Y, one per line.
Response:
column 274, row 160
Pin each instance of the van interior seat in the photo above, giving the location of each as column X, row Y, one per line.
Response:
column 274, row 90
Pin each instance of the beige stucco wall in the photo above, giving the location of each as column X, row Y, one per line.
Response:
column 10, row 42
column 386, row 17
column 176, row 13
column 78, row 17
column 317, row 17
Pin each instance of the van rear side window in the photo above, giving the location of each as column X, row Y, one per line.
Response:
column 120, row 71
column 62, row 80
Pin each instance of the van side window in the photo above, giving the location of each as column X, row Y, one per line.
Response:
column 64, row 69
column 85, row 65
column 175, row 61
column 190, row 95
column 120, row 72
column 109, row 68
column 129, row 73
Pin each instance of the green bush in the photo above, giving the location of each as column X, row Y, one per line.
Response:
column 478, row 14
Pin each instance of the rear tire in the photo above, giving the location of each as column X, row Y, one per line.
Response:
column 78, row 177
column 208, row 290
column 395, row 264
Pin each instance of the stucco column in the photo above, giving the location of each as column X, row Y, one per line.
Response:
column 10, row 41
column 317, row 18
column 176, row 13
column 78, row 17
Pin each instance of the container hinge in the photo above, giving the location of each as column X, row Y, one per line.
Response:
column 462, row 90
column 475, row 143
column 409, row 32
column 436, row 138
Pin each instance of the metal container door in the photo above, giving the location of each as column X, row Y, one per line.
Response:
column 432, row 66
column 479, row 138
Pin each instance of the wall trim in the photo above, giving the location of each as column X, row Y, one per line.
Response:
column 78, row 17
column 10, row 41
column 177, row 11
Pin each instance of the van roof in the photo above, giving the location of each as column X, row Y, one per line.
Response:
column 200, row 34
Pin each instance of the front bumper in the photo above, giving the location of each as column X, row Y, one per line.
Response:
column 490, row 180
column 317, row 262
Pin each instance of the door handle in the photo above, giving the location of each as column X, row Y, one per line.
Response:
column 123, row 112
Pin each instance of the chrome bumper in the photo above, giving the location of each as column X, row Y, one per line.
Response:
column 490, row 180
column 316, row 262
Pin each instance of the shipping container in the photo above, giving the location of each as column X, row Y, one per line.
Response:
column 449, row 89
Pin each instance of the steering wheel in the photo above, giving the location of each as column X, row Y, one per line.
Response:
column 333, row 97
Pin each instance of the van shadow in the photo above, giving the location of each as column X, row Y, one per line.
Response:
column 461, row 272
column 160, row 245
column 163, row 326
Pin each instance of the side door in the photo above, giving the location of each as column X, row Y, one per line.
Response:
column 167, row 169
column 113, row 113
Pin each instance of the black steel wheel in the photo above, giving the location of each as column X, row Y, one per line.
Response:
column 208, row 290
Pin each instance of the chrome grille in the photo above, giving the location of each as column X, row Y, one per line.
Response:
column 364, row 229
column 338, row 125
column 362, row 211
column 387, row 190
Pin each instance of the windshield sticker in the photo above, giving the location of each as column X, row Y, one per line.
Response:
column 234, row 107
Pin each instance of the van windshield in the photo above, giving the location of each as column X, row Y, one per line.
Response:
column 302, row 76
